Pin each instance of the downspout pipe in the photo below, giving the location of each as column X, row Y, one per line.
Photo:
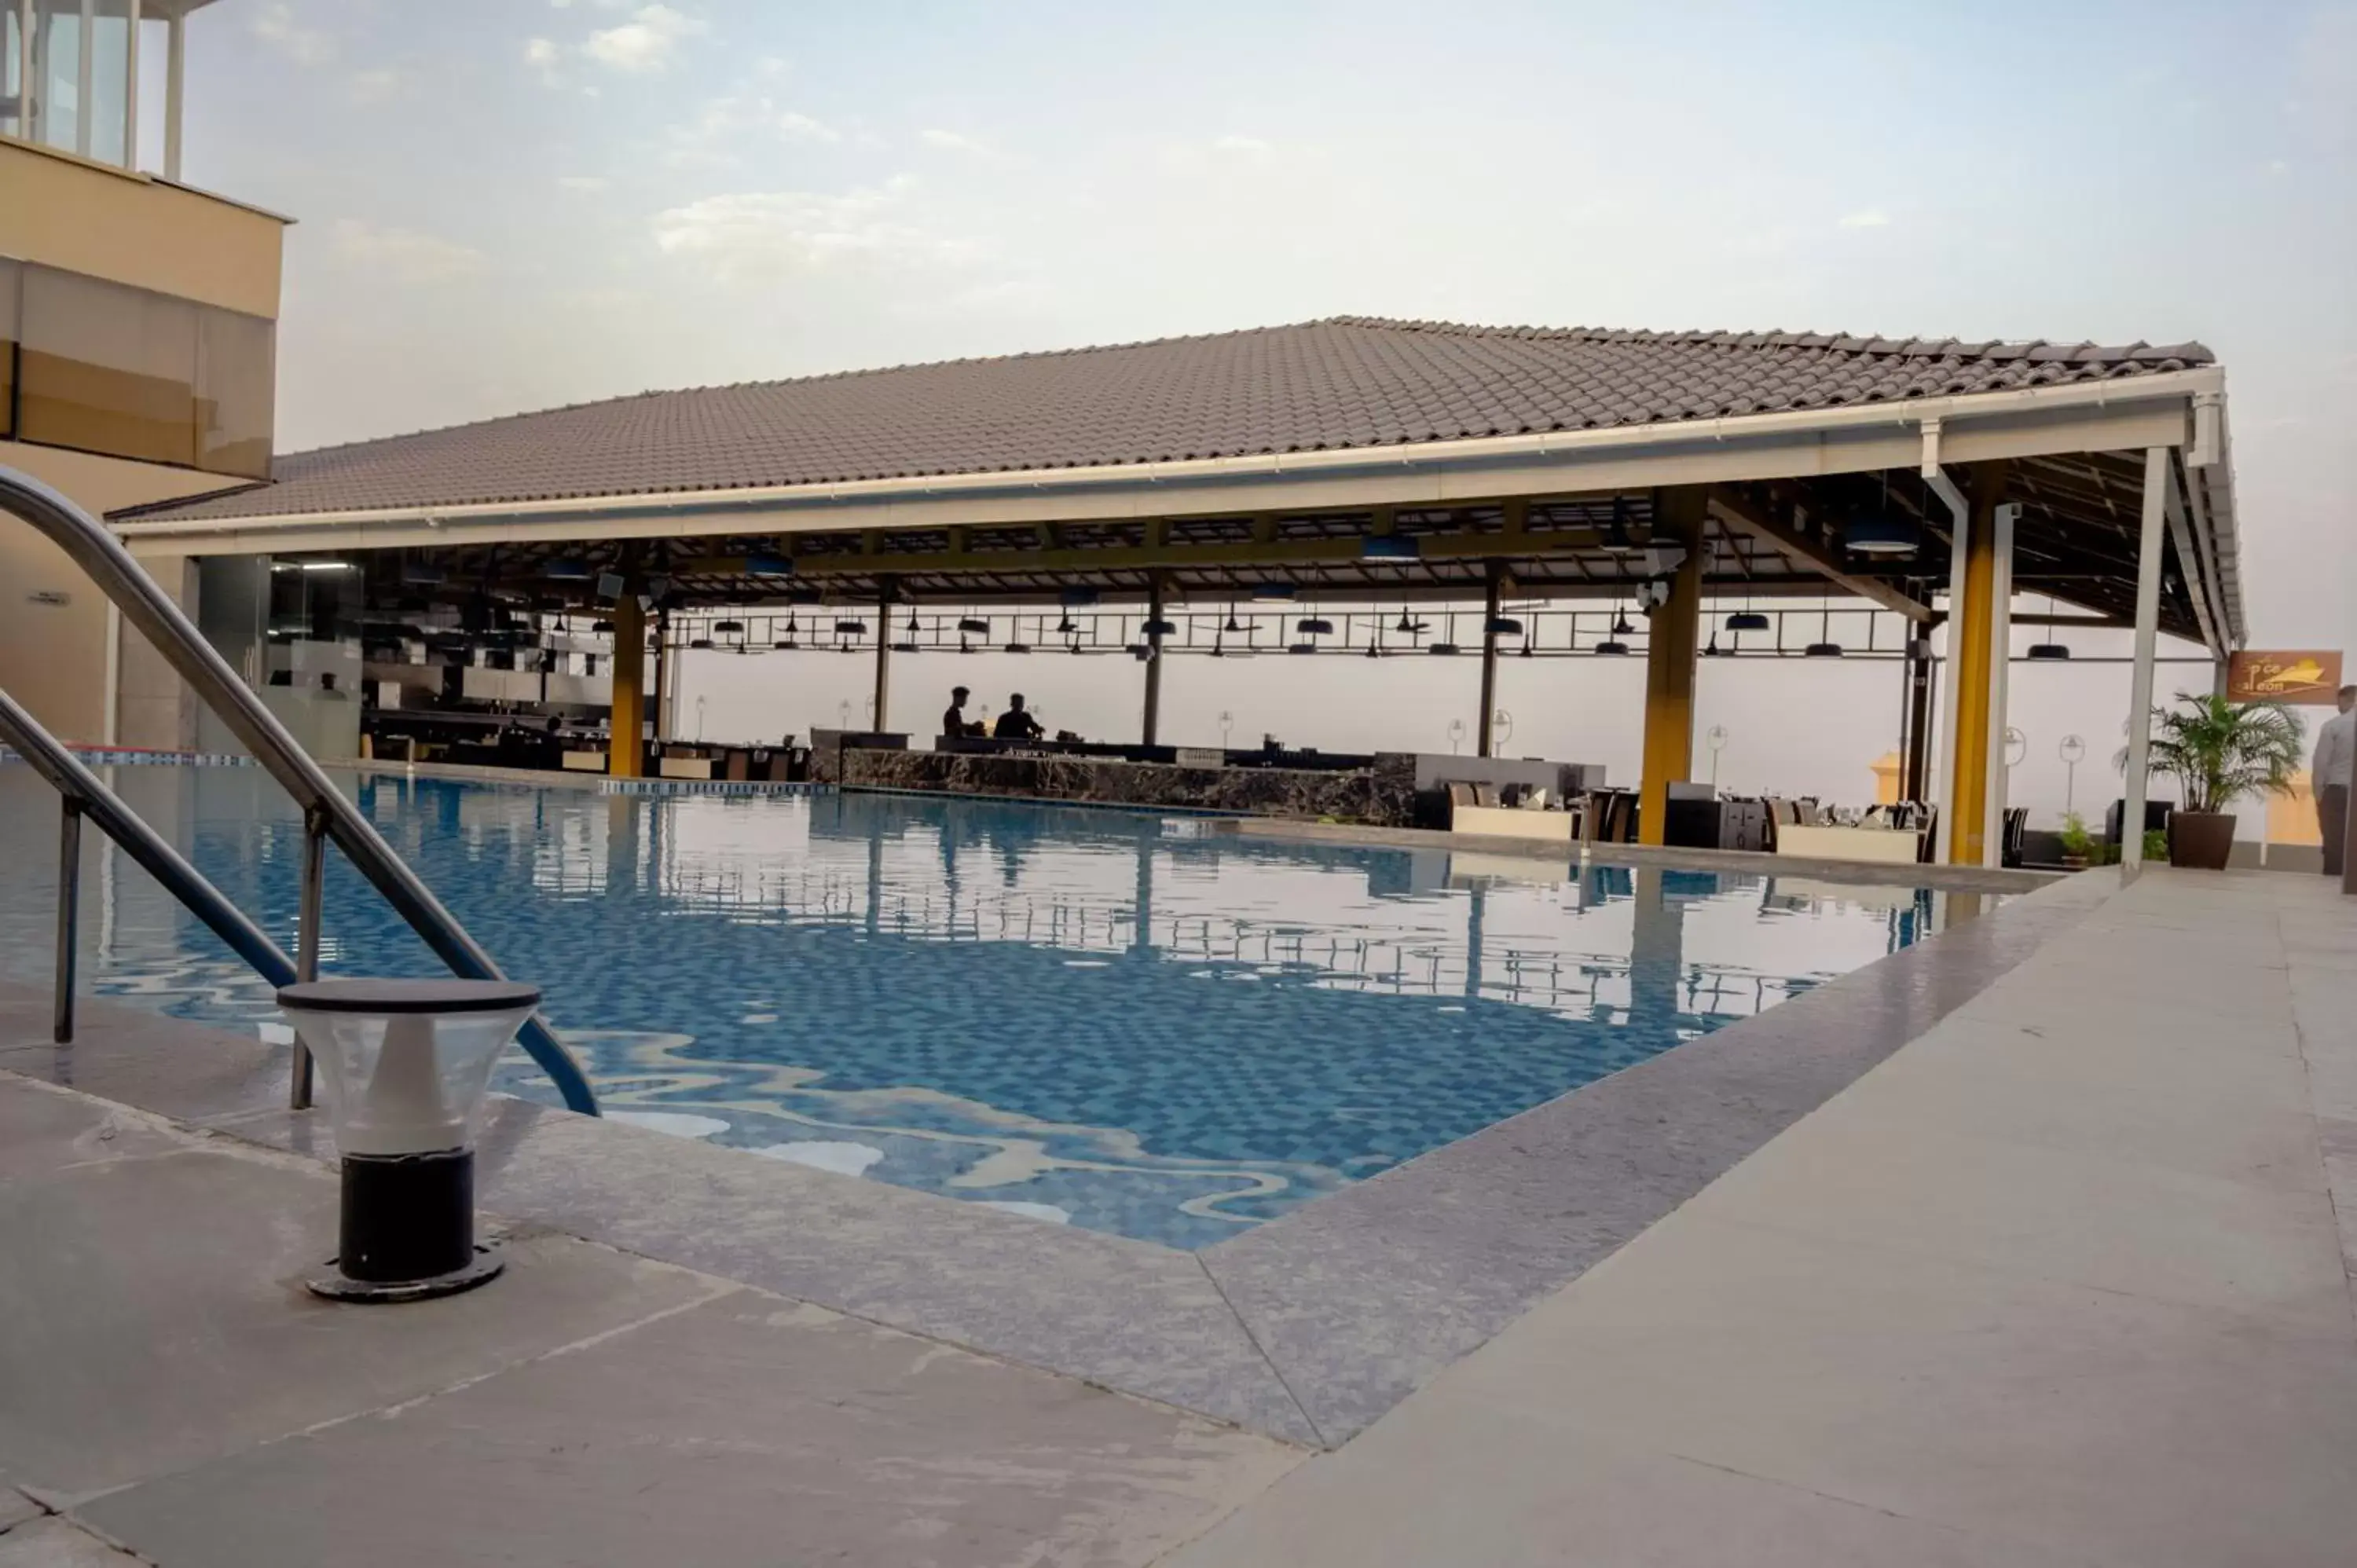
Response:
column 1940, row 785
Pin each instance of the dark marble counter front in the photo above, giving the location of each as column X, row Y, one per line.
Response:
column 1381, row 795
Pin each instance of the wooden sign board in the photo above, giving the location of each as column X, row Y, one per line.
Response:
column 2304, row 676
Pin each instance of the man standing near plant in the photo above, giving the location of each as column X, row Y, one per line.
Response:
column 2329, row 778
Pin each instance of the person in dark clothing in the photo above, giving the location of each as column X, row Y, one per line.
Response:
column 1016, row 723
column 2330, row 776
column 953, row 717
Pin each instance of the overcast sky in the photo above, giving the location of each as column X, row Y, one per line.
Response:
column 510, row 204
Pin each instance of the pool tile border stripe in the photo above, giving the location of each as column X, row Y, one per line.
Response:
column 1307, row 1329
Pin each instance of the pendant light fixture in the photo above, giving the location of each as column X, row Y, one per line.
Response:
column 1824, row 646
column 2049, row 651
column 1884, row 534
column 1616, row 539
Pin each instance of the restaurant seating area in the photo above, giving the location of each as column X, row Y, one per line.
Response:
column 1901, row 834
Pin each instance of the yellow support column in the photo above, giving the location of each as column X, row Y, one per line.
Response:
column 1673, row 641
column 1971, row 651
column 624, row 757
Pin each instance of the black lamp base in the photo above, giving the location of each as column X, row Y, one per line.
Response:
column 337, row 1286
column 408, row 1230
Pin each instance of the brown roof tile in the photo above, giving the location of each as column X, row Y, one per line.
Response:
column 1343, row 382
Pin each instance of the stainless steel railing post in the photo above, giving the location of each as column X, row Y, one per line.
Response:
column 69, row 914
column 151, row 611
column 306, row 939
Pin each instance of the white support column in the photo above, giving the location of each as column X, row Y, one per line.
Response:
column 131, row 92
column 2001, row 663
column 2148, row 636
column 1936, row 784
column 86, row 66
column 175, row 62
column 112, row 720
column 25, row 93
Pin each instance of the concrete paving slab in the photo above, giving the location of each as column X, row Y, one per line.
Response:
column 2134, row 1226
column 158, row 1063
column 55, row 1543
column 1125, row 1313
column 1511, row 1489
column 15, row 1508
column 2107, row 1094
column 749, row 1430
column 154, row 1316
column 2057, row 1415
column 42, row 1131
column 2138, row 1003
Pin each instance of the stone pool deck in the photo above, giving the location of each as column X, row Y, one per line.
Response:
column 2028, row 1245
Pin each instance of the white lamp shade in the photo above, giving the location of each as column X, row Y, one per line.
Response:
column 405, row 1079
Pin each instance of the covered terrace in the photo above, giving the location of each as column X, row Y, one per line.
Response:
column 1349, row 461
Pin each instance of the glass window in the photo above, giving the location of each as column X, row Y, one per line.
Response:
column 57, row 72
column 108, row 369
column 237, row 377
column 108, row 43
column 8, row 271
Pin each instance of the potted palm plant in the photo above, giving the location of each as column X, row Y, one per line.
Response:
column 2220, row 752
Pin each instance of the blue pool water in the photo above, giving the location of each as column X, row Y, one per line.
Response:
column 1096, row 1017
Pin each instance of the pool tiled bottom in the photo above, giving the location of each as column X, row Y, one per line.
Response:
column 1080, row 1017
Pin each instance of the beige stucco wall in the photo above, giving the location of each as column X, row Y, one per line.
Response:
column 53, row 657
column 87, row 217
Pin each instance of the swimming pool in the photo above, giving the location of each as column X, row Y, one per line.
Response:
column 1114, row 1020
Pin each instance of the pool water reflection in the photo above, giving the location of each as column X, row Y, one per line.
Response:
column 1085, row 1016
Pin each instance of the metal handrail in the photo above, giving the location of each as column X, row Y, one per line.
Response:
column 82, row 793
column 327, row 814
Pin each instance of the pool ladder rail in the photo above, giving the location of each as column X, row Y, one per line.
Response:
column 327, row 815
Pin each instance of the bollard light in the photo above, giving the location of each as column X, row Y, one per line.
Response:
column 405, row 1066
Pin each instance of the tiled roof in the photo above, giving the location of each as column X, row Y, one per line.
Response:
column 1343, row 382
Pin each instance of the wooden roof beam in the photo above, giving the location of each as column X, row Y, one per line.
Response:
column 1732, row 509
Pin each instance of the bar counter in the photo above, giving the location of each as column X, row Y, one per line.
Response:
column 1379, row 791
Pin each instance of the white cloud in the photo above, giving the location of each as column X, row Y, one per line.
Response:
column 377, row 86
column 953, row 142
column 278, row 26
column 408, row 255
column 718, row 135
column 1872, row 218
column 803, row 128
column 1247, row 147
column 645, row 43
column 756, row 236
column 585, row 182
column 542, row 55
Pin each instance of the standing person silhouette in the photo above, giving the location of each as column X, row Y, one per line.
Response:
column 953, row 717
column 2329, row 778
column 1017, row 723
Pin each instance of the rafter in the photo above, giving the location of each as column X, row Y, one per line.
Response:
column 1736, row 512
